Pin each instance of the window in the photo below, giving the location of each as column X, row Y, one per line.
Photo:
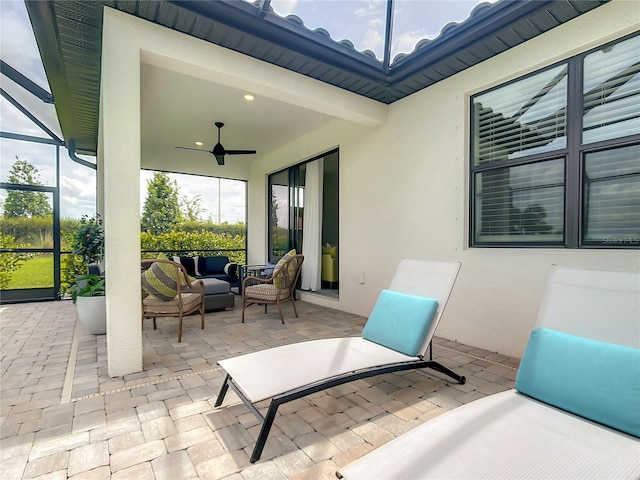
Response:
column 555, row 157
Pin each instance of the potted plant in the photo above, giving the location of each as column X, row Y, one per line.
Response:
column 88, row 291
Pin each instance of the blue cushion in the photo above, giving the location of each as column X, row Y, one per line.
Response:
column 596, row 380
column 400, row 321
column 213, row 265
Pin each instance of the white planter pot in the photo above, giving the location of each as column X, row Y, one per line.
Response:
column 92, row 313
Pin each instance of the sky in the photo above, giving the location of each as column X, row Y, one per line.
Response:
column 363, row 21
column 360, row 21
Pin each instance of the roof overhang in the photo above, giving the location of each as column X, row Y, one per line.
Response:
column 69, row 32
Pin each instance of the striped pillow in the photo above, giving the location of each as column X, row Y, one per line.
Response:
column 281, row 277
column 159, row 280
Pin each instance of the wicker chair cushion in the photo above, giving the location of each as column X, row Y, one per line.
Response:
column 282, row 277
column 153, row 304
column 266, row 292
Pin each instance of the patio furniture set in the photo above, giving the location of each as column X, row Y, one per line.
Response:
column 572, row 414
column 186, row 285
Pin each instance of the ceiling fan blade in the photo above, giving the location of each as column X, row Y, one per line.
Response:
column 196, row 149
column 239, row 152
column 218, row 150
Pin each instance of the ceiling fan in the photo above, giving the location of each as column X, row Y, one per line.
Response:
column 219, row 151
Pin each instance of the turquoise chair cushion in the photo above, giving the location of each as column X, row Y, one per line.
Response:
column 596, row 380
column 400, row 321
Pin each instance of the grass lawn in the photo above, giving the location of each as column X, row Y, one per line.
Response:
column 37, row 272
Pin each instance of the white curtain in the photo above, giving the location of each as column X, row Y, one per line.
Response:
column 312, row 226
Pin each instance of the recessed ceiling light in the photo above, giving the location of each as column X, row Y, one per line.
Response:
column 249, row 98
column 199, row 144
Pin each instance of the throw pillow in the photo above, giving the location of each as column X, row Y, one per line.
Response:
column 593, row 379
column 214, row 265
column 400, row 321
column 189, row 264
column 196, row 265
column 231, row 268
column 281, row 276
column 159, row 280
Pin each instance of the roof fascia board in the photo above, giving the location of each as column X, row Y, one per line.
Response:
column 482, row 25
column 268, row 26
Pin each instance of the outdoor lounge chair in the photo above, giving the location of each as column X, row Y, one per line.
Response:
column 404, row 317
column 575, row 411
column 277, row 288
column 168, row 291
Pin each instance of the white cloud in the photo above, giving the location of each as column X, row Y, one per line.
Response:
column 370, row 8
column 406, row 41
column 284, row 7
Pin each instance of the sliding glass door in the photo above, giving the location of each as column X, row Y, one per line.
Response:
column 287, row 209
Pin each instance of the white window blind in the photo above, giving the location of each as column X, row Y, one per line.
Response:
column 612, row 92
column 612, row 196
column 522, row 118
column 523, row 203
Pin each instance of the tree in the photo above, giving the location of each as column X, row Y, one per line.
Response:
column 161, row 211
column 191, row 208
column 88, row 241
column 24, row 203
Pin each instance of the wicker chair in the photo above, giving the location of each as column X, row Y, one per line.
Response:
column 167, row 291
column 275, row 289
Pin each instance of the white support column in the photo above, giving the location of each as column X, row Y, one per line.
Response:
column 120, row 156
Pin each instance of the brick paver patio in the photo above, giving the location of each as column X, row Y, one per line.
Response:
column 64, row 417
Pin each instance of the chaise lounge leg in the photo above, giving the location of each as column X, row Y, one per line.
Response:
column 223, row 391
column 264, row 431
column 461, row 379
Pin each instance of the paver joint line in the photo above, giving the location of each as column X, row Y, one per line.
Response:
column 145, row 384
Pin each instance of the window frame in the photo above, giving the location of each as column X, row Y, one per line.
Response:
column 573, row 153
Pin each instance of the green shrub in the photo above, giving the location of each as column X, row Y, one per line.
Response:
column 37, row 232
column 32, row 232
column 233, row 229
column 10, row 262
column 195, row 243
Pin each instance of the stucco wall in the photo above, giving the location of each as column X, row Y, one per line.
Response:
column 130, row 47
column 403, row 177
column 404, row 193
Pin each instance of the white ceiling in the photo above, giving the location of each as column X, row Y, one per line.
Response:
column 178, row 110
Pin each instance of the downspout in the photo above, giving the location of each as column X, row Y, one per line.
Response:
column 71, row 148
